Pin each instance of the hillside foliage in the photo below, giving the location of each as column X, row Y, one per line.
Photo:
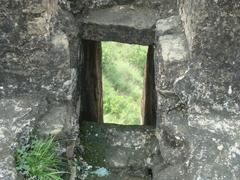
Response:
column 123, row 71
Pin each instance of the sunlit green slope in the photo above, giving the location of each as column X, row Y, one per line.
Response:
column 123, row 71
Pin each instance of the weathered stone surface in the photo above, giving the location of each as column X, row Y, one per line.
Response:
column 165, row 8
column 198, row 107
column 17, row 121
column 120, row 23
column 36, row 55
column 197, row 64
column 170, row 25
column 174, row 47
column 130, row 149
column 122, row 175
column 53, row 122
column 38, row 69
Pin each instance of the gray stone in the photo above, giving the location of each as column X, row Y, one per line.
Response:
column 174, row 47
column 17, row 121
column 120, row 23
column 53, row 123
column 165, row 8
column 38, row 70
column 120, row 148
column 170, row 25
column 196, row 61
column 197, row 105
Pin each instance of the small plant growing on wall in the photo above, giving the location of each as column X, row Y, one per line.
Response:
column 39, row 160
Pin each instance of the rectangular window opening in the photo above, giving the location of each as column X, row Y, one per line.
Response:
column 117, row 96
column 118, row 83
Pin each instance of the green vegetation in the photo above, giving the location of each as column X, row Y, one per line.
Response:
column 123, row 71
column 39, row 160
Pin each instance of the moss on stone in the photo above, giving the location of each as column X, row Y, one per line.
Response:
column 94, row 154
column 94, row 151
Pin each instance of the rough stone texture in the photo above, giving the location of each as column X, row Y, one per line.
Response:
column 171, row 63
column 18, row 118
column 119, row 175
column 165, row 8
column 120, row 23
column 197, row 62
column 198, row 104
column 130, row 149
column 38, row 69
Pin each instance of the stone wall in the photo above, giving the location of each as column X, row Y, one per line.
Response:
column 196, row 61
column 204, row 123
column 38, row 70
column 165, row 6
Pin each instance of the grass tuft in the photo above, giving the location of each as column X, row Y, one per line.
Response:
column 39, row 160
